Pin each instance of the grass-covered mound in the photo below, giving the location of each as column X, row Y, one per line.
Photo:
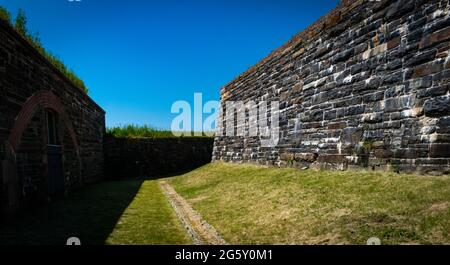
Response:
column 251, row 204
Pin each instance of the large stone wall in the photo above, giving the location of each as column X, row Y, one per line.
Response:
column 155, row 157
column 366, row 85
column 30, row 86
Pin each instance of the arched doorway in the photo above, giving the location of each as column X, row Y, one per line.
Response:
column 41, row 143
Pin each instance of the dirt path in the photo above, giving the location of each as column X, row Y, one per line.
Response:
column 201, row 232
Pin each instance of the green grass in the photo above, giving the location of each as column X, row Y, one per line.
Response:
column 117, row 212
column 20, row 25
column 149, row 220
column 136, row 131
column 5, row 15
column 250, row 204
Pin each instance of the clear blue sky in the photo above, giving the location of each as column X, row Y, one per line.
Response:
column 139, row 56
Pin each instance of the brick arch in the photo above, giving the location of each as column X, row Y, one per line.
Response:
column 45, row 99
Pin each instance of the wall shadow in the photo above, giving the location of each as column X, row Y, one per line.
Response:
column 155, row 157
column 90, row 214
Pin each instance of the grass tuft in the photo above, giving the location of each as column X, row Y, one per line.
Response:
column 5, row 15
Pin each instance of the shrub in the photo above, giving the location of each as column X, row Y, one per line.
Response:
column 21, row 23
column 5, row 15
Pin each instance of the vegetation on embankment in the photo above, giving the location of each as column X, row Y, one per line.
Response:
column 138, row 131
column 251, row 204
column 20, row 25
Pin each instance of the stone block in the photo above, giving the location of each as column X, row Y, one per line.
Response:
column 375, row 51
column 426, row 69
column 298, row 53
column 297, row 88
column 422, row 57
column 398, row 8
column 434, row 38
column 393, row 78
column 351, row 135
column 414, row 112
column 354, row 110
column 337, row 125
column 372, row 117
column 437, row 107
column 330, row 115
column 331, row 158
column 323, row 49
column 383, row 153
column 344, row 55
column 307, row 157
column 287, row 156
column 440, row 150
column 420, row 83
column 433, row 92
column 443, row 125
column 399, row 103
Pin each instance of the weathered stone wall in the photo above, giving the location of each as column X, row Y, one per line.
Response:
column 30, row 86
column 155, row 157
column 366, row 85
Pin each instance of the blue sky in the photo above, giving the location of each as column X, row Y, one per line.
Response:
column 139, row 56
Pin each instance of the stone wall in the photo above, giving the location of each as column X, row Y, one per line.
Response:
column 366, row 85
column 30, row 86
column 155, row 157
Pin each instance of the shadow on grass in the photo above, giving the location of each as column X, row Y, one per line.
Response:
column 90, row 214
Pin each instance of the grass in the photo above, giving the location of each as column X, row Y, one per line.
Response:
column 133, row 131
column 5, row 15
column 116, row 212
column 149, row 220
column 20, row 25
column 136, row 131
column 250, row 204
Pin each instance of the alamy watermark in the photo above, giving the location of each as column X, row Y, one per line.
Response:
column 229, row 119
column 373, row 241
column 73, row 241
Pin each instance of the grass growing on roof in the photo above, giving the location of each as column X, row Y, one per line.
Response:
column 5, row 15
column 20, row 25
column 251, row 204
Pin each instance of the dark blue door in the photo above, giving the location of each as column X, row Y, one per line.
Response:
column 55, row 176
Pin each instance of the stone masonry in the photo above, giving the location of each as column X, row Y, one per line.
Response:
column 154, row 157
column 30, row 88
column 367, row 85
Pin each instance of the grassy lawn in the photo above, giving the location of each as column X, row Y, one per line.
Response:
column 149, row 220
column 254, row 205
column 116, row 212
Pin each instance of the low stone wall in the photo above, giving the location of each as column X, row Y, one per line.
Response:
column 154, row 157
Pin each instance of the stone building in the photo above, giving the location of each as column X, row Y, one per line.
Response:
column 365, row 85
column 51, row 132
